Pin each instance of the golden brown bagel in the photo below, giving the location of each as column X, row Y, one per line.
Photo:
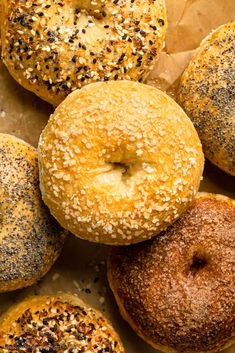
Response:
column 177, row 291
column 53, row 47
column 207, row 94
column 57, row 323
column 30, row 239
column 119, row 162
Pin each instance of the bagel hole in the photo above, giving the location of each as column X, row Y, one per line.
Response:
column 198, row 263
column 123, row 168
column 89, row 8
column 113, row 173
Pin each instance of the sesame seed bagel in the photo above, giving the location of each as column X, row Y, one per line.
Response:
column 30, row 238
column 119, row 161
column 53, row 47
column 177, row 291
column 57, row 323
column 207, row 94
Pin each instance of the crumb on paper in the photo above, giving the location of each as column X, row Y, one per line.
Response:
column 102, row 300
column 3, row 114
column 55, row 276
column 76, row 285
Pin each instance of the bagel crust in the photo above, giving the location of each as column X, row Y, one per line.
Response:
column 54, row 47
column 30, row 238
column 57, row 323
column 207, row 94
column 177, row 291
column 119, row 162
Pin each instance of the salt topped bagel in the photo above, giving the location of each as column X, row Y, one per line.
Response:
column 57, row 323
column 207, row 94
column 177, row 291
column 30, row 238
column 119, row 161
column 53, row 47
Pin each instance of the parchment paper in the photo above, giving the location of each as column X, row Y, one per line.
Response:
column 81, row 268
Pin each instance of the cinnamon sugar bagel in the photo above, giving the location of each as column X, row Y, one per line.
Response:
column 177, row 291
column 57, row 323
column 30, row 239
column 53, row 47
column 207, row 94
column 119, row 161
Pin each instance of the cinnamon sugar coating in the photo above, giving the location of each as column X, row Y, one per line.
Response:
column 177, row 291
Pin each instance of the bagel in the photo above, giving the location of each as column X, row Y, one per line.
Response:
column 52, row 48
column 177, row 291
column 119, row 161
column 30, row 239
column 207, row 94
column 57, row 323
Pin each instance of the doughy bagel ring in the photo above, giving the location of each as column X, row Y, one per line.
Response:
column 53, row 47
column 207, row 94
column 177, row 291
column 57, row 323
column 30, row 239
column 119, row 161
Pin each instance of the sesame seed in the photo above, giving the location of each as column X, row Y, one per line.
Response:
column 52, row 38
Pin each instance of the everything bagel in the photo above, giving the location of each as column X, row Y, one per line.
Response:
column 57, row 323
column 53, row 47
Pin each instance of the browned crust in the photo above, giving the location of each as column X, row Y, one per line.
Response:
column 30, row 238
column 119, row 162
column 173, row 301
column 53, row 48
column 207, row 94
column 65, row 320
